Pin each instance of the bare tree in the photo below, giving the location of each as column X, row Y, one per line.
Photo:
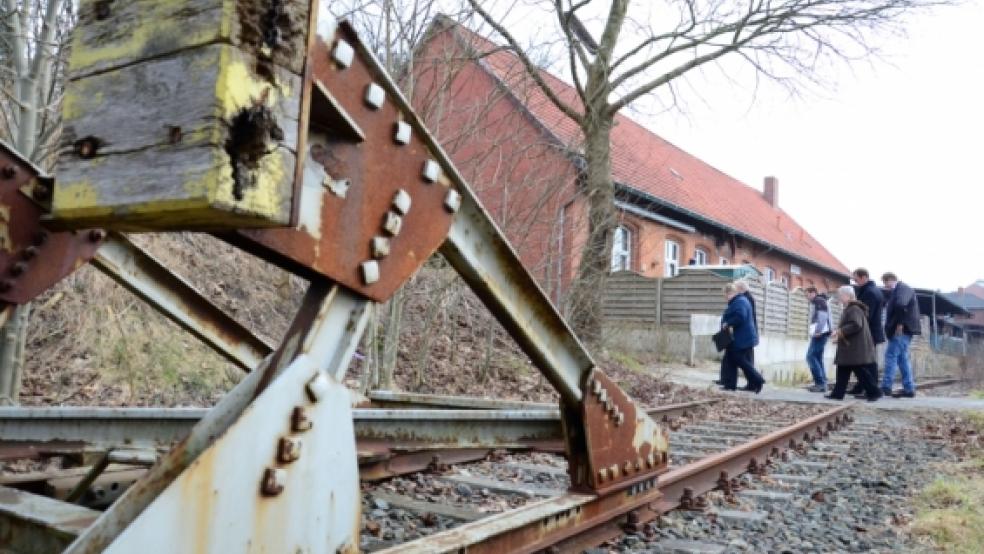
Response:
column 33, row 37
column 646, row 47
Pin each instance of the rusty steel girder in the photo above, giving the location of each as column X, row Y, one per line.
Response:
column 33, row 259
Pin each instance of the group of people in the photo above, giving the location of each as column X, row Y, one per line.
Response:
column 860, row 329
column 868, row 319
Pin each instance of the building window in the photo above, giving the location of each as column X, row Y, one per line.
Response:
column 700, row 256
column 672, row 259
column 769, row 274
column 622, row 250
column 723, row 261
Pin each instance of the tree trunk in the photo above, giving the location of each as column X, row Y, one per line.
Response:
column 586, row 292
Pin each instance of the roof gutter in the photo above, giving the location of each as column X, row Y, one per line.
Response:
column 704, row 219
column 653, row 216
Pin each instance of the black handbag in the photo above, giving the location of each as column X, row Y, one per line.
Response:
column 722, row 339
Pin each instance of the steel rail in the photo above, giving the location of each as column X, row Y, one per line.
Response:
column 573, row 521
column 151, row 427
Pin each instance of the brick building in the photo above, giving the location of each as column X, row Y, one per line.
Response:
column 971, row 298
column 523, row 156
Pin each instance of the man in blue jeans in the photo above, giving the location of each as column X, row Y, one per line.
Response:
column 819, row 332
column 901, row 324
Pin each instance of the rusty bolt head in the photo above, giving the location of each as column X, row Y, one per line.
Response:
column 18, row 269
column 452, row 201
column 274, row 481
column 613, row 469
column 619, row 419
column 393, row 223
column 8, row 172
column 290, row 449
column 6, row 285
column 97, row 235
column 30, row 253
column 602, row 475
column 380, row 247
column 300, row 421
column 87, row 147
column 370, row 272
column 596, row 387
column 651, row 460
column 627, row 468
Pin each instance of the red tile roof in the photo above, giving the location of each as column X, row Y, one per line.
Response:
column 643, row 161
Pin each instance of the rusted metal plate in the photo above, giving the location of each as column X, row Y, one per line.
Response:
column 374, row 203
column 624, row 446
column 33, row 259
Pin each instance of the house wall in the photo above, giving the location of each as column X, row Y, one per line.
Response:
column 521, row 176
column 649, row 244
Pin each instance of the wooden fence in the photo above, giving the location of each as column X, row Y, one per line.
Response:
column 632, row 297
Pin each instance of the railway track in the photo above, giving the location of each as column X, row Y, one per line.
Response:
column 438, row 477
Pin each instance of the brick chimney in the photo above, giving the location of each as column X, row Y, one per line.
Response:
column 771, row 191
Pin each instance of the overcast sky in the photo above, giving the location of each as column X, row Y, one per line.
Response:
column 884, row 168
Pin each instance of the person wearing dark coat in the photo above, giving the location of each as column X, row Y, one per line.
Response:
column 855, row 347
column 742, row 287
column 738, row 318
column 901, row 324
column 871, row 296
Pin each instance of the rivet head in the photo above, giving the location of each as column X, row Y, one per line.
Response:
column 619, row 419
column 274, row 480
column 30, row 252
column 343, row 54
column 452, row 201
column 393, row 223
column 603, row 396
column 318, row 386
column 432, row 171
column 380, row 247
column 289, row 449
column 403, row 133
column 603, row 475
column 375, row 96
column 614, row 471
column 596, row 387
column 300, row 421
column 651, row 460
column 401, row 202
column 627, row 468
column 370, row 271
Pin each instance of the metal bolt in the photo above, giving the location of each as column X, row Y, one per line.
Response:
column 380, row 247
column 318, row 386
column 87, row 147
column 596, row 387
column 370, row 272
column 401, row 202
column 18, row 269
column 619, row 419
column 343, row 54
column 602, row 475
column 6, row 285
column 338, row 187
column 299, row 420
column 97, row 235
column 8, row 172
column 638, row 465
column 30, row 252
column 627, row 468
column 614, row 471
column 651, row 460
column 603, row 396
column 403, row 133
column 432, row 171
column 289, row 450
column 452, row 201
column 393, row 223
column 375, row 96
column 273, row 481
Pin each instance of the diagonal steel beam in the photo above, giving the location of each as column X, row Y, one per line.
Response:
column 175, row 298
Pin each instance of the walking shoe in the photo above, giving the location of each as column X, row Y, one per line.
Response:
column 718, row 382
column 856, row 389
column 904, row 394
column 886, row 392
column 832, row 397
column 818, row 388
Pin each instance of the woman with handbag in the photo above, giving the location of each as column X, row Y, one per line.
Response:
column 855, row 347
column 737, row 319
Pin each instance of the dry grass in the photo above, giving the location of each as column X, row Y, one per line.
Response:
column 951, row 514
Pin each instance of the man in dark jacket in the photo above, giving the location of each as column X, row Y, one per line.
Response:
column 871, row 296
column 738, row 317
column 901, row 324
